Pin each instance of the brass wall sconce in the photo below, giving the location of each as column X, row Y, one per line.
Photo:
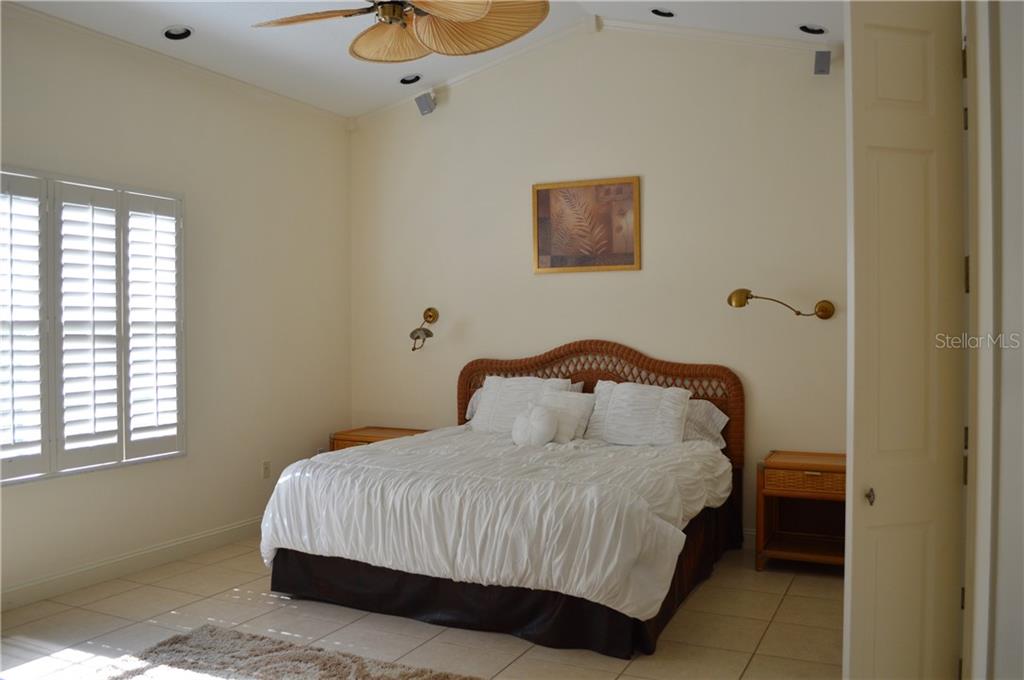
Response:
column 420, row 334
column 823, row 309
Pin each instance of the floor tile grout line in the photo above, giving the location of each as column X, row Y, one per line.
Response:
column 736, row 616
column 775, row 613
column 199, row 598
column 148, row 620
column 304, row 644
column 794, row 658
column 759, row 641
column 697, row 644
column 419, row 645
column 135, row 585
column 518, row 657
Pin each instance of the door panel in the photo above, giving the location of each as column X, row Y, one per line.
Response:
column 905, row 407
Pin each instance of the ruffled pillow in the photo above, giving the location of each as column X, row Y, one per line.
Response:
column 705, row 422
column 536, row 426
column 632, row 414
column 505, row 398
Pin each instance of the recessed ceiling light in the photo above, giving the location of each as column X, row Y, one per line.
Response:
column 410, row 79
column 177, row 32
column 813, row 29
column 663, row 13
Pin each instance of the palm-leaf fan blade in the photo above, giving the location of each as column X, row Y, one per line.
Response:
column 454, row 10
column 316, row 16
column 506, row 21
column 385, row 42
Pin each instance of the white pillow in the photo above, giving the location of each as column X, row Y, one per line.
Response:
column 474, row 401
column 573, row 411
column 505, row 398
column 704, row 421
column 535, row 426
column 632, row 414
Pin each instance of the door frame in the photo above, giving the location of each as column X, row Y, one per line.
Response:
column 983, row 383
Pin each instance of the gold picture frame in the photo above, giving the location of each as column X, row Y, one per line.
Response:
column 590, row 225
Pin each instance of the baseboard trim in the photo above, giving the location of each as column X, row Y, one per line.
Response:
column 127, row 563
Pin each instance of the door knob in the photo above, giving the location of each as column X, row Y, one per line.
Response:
column 870, row 495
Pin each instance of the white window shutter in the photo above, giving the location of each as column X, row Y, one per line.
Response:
column 24, row 449
column 153, row 354
column 91, row 326
column 87, row 342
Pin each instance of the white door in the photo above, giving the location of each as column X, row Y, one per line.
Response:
column 905, row 400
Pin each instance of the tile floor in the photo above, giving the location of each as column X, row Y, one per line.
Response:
column 784, row 622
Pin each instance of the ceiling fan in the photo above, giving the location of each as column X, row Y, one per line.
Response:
column 411, row 29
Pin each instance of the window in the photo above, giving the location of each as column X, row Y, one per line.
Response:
column 90, row 326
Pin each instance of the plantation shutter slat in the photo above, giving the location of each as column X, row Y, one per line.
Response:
column 88, row 329
column 24, row 449
column 152, row 327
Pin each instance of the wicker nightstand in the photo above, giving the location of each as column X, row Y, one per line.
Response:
column 801, row 507
column 367, row 435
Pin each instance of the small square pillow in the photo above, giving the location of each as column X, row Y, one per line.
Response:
column 705, row 422
column 505, row 398
column 536, row 426
column 573, row 411
column 632, row 414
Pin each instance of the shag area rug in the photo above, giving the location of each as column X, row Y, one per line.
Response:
column 216, row 653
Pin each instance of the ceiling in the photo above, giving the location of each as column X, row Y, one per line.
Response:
column 310, row 62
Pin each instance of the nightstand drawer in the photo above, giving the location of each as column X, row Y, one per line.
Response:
column 805, row 481
column 346, row 439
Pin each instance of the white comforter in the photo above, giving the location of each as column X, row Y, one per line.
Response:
column 588, row 519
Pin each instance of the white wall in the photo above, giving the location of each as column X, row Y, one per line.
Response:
column 740, row 152
column 264, row 180
column 1007, row 640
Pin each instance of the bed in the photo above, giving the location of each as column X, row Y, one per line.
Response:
column 594, row 572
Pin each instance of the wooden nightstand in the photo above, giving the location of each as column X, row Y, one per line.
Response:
column 801, row 507
column 367, row 435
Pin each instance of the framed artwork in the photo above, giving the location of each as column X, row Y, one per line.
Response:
column 588, row 225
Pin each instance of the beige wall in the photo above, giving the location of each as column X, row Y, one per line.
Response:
column 264, row 181
column 740, row 152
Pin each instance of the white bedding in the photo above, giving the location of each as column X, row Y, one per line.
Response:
column 588, row 519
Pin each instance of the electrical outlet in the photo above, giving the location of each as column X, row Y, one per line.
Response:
column 265, row 469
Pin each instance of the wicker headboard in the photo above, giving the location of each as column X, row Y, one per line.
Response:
column 592, row 360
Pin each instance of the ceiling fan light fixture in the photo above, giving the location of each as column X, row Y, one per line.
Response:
column 391, row 12
column 663, row 13
column 177, row 32
column 387, row 43
column 410, row 79
column 813, row 29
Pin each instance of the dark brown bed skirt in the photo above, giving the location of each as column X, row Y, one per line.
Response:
column 544, row 617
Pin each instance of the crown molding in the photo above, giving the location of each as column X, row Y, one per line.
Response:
column 598, row 24
column 720, row 36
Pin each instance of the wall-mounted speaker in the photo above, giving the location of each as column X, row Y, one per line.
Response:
column 822, row 62
column 426, row 103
